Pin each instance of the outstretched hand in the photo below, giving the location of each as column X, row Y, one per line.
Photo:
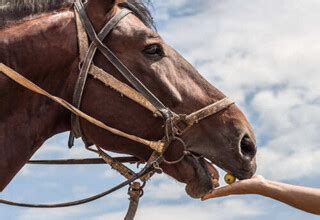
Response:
column 304, row 198
column 249, row 186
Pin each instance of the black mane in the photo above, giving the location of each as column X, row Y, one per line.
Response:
column 15, row 10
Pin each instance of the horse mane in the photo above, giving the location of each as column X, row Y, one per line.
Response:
column 14, row 10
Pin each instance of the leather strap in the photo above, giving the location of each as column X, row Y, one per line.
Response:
column 135, row 192
column 209, row 110
column 122, row 88
column 82, row 37
column 197, row 116
column 86, row 62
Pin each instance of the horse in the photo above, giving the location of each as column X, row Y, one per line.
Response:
column 39, row 40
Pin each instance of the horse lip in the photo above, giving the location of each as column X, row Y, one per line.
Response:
column 208, row 165
column 247, row 173
column 206, row 178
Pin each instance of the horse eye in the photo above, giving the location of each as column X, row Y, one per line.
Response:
column 154, row 51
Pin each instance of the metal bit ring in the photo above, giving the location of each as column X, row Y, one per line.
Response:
column 184, row 153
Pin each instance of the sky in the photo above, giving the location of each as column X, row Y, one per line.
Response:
column 265, row 56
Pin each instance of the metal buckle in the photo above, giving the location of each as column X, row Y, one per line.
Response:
column 181, row 125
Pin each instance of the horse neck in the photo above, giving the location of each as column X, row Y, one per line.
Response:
column 45, row 53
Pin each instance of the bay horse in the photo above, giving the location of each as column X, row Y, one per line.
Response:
column 39, row 40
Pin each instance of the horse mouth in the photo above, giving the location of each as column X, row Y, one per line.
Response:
column 206, row 178
column 214, row 174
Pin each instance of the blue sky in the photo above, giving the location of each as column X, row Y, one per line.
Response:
column 263, row 54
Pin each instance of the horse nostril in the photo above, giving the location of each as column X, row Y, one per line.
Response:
column 248, row 147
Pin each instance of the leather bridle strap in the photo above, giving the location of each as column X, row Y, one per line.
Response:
column 126, row 73
column 122, row 88
column 150, row 100
column 86, row 58
column 141, row 95
column 197, row 116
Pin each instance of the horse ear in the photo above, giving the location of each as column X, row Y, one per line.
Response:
column 97, row 9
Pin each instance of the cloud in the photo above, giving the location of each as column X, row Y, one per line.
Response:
column 289, row 166
column 164, row 188
column 281, row 111
column 171, row 9
column 217, row 211
column 251, row 45
column 52, row 214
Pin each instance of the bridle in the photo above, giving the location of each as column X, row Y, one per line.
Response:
column 175, row 125
column 146, row 97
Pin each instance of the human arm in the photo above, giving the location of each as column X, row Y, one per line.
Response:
column 303, row 198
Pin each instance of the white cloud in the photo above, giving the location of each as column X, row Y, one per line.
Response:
column 291, row 122
column 251, row 45
column 52, row 214
column 288, row 166
column 283, row 110
column 164, row 187
column 231, row 209
column 170, row 9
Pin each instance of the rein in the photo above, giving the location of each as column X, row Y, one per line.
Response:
column 175, row 124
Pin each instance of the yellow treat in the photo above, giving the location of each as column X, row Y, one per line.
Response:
column 229, row 178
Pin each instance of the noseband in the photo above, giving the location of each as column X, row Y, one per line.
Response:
column 175, row 125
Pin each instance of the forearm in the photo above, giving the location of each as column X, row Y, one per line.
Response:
column 306, row 199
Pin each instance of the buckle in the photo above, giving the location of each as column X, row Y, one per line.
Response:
column 181, row 125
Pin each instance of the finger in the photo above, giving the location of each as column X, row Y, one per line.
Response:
column 222, row 191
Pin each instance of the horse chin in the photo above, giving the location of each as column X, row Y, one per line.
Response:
column 206, row 179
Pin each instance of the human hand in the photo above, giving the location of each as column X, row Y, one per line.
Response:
column 249, row 186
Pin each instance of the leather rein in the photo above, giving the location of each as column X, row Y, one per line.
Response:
column 174, row 124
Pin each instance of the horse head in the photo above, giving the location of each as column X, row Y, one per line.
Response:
column 50, row 58
column 225, row 139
